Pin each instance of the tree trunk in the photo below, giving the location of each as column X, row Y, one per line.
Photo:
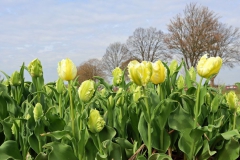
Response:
column 212, row 81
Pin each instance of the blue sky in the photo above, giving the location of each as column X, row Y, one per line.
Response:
column 52, row 30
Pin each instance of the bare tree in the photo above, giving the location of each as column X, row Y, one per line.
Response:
column 116, row 54
column 89, row 69
column 148, row 45
column 194, row 34
column 199, row 32
column 228, row 47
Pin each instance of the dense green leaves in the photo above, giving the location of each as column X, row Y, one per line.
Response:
column 156, row 122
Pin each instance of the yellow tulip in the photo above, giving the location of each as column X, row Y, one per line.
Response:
column 159, row 72
column 140, row 73
column 67, row 70
column 95, row 121
column 117, row 76
column 37, row 112
column 232, row 100
column 86, row 90
column 208, row 66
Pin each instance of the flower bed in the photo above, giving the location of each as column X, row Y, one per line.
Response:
column 158, row 115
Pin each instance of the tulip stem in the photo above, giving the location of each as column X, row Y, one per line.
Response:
column 99, row 144
column 60, row 106
column 197, row 105
column 71, row 108
column 149, row 145
column 234, row 119
column 110, row 117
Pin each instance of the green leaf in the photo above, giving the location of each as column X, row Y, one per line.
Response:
column 60, row 151
column 160, row 138
column 142, row 128
column 84, row 135
column 55, row 122
column 202, row 94
column 59, row 134
column 106, row 134
column 190, row 142
column 126, row 147
column 180, row 120
column 3, row 108
column 230, row 150
column 7, row 129
column 9, row 150
column 228, row 135
column 113, row 150
column 215, row 103
column 162, row 112
column 33, row 142
column 187, row 76
column 90, row 150
column 206, row 153
column 41, row 156
column 159, row 156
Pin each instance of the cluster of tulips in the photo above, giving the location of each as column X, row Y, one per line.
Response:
column 157, row 115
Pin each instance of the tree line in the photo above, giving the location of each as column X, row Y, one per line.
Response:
column 193, row 33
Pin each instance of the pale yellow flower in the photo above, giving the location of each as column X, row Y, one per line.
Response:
column 67, row 70
column 232, row 100
column 86, row 90
column 95, row 121
column 117, row 76
column 209, row 66
column 140, row 73
column 159, row 72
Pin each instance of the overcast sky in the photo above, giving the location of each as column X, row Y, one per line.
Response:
column 52, row 30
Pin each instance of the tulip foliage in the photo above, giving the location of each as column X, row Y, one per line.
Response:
column 159, row 114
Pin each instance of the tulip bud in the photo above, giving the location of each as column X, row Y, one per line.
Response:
column 159, row 72
column 37, row 112
column 15, row 79
column 67, row 70
column 208, row 99
column 86, row 90
column 104, row 92
column 49, row 91
column 35, row 68
column 27, row 117
column 192, row 73
column 180, row 82
column 95, row 122
column 173, row 67
column 137, row 94
column 208, row 66
column 238, row 110
column 232, row 100
column 110, row 102
column 140, row 73
column 120, row 100
column 6, row 82
column 14, row 127
column 60, row 86
column 117, row 76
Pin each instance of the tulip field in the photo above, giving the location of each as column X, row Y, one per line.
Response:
column 158, row 115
